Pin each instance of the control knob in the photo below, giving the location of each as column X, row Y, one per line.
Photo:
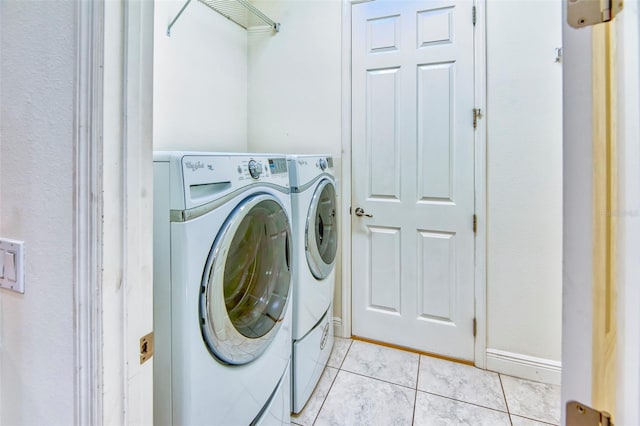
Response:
column 322, row 163
column 255, row 169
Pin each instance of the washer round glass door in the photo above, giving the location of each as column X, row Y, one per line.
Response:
column 247, row 281
column 321, row 239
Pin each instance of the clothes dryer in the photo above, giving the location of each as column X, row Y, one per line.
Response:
column 222, row 286
column 315, row 245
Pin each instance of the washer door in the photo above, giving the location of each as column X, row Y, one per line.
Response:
column 247, row 280
column 321, row 235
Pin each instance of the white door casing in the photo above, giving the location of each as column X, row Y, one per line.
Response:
column 125, row 171
column 413, row 171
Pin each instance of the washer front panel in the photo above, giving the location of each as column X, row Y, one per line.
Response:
column 247, row 280
column 321, row 234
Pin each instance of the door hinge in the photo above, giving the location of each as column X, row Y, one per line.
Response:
column 146, row 347
column 584, row 13
column 475, row 327
column 558, row 58
column 473, row 15
column 581, row 415
column 477, row 115
column 475, row 223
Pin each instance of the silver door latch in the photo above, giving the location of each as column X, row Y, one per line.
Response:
column 583, row 13
column 360, row 212
column 581, row 415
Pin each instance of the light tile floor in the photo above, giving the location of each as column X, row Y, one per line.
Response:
column 367, row 384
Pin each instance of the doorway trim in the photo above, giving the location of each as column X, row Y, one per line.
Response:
column 480, row 161
column 345, row 328
column 112, row 211
column 88, row 230
column 128, row 211
column 480, row 84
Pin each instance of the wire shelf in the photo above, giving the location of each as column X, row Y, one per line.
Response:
column 241, row 12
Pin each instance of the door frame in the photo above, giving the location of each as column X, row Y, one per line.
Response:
column 480, row 73
column 480, row 187
column 88, row 229
column 113, row 211
column 578, row 380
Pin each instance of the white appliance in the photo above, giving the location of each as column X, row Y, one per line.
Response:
column 222, row 285
column 315, row 243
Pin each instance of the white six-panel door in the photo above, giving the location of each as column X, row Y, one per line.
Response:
column 413, row 171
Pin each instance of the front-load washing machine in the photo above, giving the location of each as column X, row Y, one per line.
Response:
column 222, row 285
column 315, row 243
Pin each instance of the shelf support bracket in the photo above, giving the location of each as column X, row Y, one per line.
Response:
column 215, row 5
column 176, row 18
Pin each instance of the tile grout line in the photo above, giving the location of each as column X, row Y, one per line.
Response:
column 535, row 420
column 379, row 380
column 325, row 397
column 529, row 380
column 315, row 419
column 416, row 389
column 346, row 354
column 529, row 416
column 464, row 402
column 420, row 390
column 375, row 378
column 415, row 398
column 504, row 397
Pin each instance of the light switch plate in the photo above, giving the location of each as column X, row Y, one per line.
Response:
column 12, row 264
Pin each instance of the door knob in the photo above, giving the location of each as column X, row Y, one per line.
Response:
column 360, row 212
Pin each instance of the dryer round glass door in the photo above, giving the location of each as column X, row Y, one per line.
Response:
column 247, row 280
column 321, row 239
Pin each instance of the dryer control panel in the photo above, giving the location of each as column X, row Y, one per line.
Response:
column 305, row 168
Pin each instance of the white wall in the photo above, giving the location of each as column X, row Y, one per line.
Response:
column 295, row 94
column 295, row 79
column 524, row 186
column 200, row 80
column 37, row 69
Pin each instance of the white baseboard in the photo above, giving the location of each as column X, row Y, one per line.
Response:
column 524, row 366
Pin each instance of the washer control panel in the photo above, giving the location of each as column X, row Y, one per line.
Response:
column 261, row 168
column 208, row 177
column 202, row 170
column 278, row 165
